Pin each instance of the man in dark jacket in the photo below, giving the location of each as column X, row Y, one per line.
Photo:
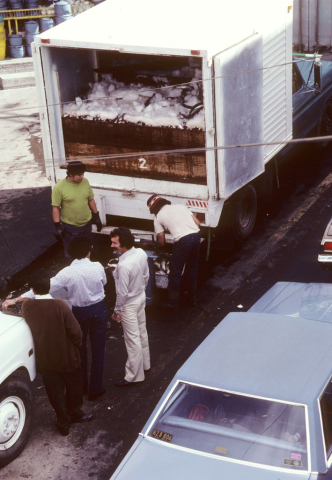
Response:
column 57, row 337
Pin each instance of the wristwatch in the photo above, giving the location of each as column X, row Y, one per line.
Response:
column 15, row 300
column 116, row 312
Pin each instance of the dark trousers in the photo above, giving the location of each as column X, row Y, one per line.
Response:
column 70, row 232
column 93, row 320
column 65, row 393
column 185, row 253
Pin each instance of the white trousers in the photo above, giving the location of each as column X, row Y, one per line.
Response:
column 136, row 339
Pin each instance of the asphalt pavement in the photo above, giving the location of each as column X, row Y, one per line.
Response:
column 26, row 227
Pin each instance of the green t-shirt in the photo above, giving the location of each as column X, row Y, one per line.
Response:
column 73, row 199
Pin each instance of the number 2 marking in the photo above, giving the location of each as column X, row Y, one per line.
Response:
column 142, row 162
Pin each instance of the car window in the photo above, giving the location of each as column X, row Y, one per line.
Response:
column 234, row 426
column 297, row 79
column 326, row 412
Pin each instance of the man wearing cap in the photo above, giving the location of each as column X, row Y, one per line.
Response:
column 73, row 203
column 179, row 221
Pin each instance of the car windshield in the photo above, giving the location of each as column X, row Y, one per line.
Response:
column 234, row 426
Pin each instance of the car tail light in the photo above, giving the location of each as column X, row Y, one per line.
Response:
column 327, row 246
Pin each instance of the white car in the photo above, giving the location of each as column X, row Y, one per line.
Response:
column 17, row 371
column 325, row 252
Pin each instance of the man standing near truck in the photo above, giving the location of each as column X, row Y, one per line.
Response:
column 184, row 228
column 57, row 337
column 84, row 281
column 74, row 207
column 131, row 278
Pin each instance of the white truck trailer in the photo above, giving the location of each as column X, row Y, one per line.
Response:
column 166, row 89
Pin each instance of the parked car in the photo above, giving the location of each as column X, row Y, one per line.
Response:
column 17, row 371
column 325, row 252
column 253, row 401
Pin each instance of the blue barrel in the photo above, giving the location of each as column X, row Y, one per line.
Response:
column 31, row 26
column 15, row 40
column 3, row 12
column 62, row 8
column 3, row 3
column 30, row 37
column 16, row 4
column 62, row 18
column 29, row 51
column 46, row 23
column 17, row 51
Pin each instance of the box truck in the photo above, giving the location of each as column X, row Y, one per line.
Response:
column 159, row 99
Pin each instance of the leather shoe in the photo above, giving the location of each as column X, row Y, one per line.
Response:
column 85, row 418
column 125, row 383
column 64, row 431
column 93, row 397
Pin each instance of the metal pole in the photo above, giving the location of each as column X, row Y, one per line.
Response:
column 208, row 244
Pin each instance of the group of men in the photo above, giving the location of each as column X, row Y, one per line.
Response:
column 60, row 334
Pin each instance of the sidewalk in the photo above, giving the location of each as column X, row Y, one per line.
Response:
column 26, row 227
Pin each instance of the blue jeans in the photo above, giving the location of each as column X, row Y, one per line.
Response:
column 93, row 320
column 70, row 232
column 185, row 253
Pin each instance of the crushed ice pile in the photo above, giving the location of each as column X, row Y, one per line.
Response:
column 180, row 106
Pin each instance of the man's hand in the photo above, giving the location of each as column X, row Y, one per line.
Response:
column 116, row 317
column 58, row 230
column 7, row 304
column 96, row 220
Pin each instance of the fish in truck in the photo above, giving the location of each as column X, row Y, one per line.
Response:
column 152, row 101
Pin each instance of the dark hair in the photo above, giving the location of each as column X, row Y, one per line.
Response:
column 40, row 282
column 79, row 248
column 126, row 238
column 75, row 168
column 160, row 205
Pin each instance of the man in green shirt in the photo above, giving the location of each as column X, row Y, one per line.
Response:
column 74, row 207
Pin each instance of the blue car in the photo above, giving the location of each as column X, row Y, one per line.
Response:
column 254, row 401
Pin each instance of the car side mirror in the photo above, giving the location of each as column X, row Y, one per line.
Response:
column 318, row 77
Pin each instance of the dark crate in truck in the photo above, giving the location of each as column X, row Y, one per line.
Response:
column 89, row 138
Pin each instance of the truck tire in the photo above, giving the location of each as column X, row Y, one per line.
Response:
column 16, row 415
column 244, row 213
column 324, row 126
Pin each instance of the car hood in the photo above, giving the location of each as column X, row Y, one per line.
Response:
column 153, row 459
column 7, row 322
column 306, row 300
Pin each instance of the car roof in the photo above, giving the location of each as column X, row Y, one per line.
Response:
column 307, row 71
column 273, row 356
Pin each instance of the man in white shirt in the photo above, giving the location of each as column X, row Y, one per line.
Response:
column 131, row 278
column 179, row 221
column 84, row 281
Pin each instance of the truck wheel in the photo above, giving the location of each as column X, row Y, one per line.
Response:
column 324, row 126
column 244, row 213
column 16, row 414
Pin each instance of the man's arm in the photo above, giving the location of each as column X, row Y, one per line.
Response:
column 161, row 239
column 56, row 214
column 121, row 292
column 57, row 282
column 146, row 273
column 196, row 220
column 7, row 303
column 92, row 205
